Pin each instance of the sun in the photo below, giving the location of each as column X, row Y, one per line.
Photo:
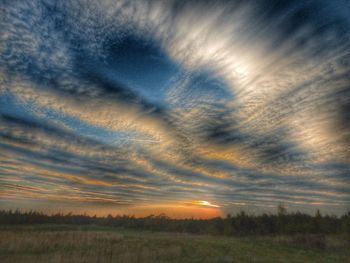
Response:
column 204, row 203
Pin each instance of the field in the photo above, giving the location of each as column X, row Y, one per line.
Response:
column 64, row 243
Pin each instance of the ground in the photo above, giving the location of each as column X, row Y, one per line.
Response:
column 60, row 243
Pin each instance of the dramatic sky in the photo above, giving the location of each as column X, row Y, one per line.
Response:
column 191, row 108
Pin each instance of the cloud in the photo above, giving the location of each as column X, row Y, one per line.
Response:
column 135, row 102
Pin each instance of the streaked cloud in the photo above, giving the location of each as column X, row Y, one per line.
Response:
column 143, row 105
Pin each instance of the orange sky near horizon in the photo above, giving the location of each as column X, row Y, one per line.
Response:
column 191, row 209
column 173, row 210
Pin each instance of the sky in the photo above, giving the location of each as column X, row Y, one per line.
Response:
column 188, row 108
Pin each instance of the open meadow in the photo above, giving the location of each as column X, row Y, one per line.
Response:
column 65, row 243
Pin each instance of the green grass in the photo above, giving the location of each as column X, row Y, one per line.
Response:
column 64, row 243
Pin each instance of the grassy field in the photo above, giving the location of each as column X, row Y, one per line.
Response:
column 47, row 243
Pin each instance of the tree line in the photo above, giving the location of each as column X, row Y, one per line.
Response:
column 240, row 224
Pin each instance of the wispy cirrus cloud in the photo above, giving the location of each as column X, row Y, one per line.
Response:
column 132, row 103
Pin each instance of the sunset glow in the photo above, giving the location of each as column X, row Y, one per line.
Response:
column 204, row 203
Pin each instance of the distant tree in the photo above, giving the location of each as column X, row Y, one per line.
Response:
column 241, row 224
column 281, row 210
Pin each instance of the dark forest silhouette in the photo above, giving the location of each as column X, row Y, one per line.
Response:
column 238, row 225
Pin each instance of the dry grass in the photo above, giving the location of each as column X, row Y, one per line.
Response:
column 77, row 246
column 38, row 244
